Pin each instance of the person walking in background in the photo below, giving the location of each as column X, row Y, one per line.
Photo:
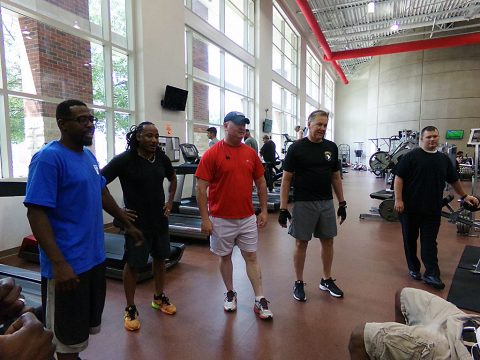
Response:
column 420, row 178
column 212, row 136
column 64, row 199
column 224, row 180
column 311, row 165
column 299, row 131
column 142, row 169
column 250, row 140
column 268, row 153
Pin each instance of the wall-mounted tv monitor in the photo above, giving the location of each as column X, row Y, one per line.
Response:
column 454, row 134
column 175, row 98
column 267, row 126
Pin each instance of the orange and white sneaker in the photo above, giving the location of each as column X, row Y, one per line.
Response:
column 130, row 317
column 162, row 303
column 262, row 310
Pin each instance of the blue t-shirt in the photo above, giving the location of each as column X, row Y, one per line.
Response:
column 69, row 185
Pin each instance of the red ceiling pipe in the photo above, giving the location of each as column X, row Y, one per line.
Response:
column 450, row 41
column 312, row 21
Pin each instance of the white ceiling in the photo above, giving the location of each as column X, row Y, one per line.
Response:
column 347, row 25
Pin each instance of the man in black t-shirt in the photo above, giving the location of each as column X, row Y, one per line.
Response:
column 419, row 184
column 142, row 170
column 267, row 152
column 314, row 162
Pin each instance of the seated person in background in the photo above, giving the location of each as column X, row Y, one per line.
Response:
column 426, row 327
column 267, row 152
column 26, row 337
column 299, row 131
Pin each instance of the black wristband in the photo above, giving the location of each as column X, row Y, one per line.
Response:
column 342, row 203
column 463, row 197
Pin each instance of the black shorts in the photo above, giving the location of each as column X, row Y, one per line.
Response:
column 156, row 244
column 77, row 313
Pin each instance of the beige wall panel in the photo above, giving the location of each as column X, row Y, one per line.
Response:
column 400, row 91
column 399, row 112
column 458, row 84
column 451, row 108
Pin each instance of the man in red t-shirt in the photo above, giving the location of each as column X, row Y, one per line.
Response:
column 228, row 170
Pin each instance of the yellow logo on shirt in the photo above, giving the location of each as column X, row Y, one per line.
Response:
column 328, row 155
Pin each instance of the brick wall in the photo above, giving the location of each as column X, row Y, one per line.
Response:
column 78, row 7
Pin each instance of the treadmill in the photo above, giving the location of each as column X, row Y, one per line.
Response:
column 185, row 221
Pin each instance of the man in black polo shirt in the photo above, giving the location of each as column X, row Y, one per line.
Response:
column 419, row 183
column 267, row 152
column 314, row 162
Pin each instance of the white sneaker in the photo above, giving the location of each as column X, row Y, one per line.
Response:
column 261, row 309
column 230, row 303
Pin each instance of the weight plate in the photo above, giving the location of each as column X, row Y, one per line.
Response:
column 387, row 210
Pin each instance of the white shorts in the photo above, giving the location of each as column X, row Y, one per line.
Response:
column 230, row 232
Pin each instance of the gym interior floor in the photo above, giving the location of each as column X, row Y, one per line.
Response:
column 369, row 266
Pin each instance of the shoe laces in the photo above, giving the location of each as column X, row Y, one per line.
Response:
column 163, row 299
column 300, row 284
column 131, row 311
column 263, row 303
column 230, row 295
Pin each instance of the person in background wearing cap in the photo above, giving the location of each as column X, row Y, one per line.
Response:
column 227, row 171
column 250, row 140
column 212, row 136
column 311, row 165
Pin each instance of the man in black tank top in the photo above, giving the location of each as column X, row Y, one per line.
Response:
column 314, row 161
column 419, row 183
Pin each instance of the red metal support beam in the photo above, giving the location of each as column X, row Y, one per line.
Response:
column 450, row 41
column 312, row 22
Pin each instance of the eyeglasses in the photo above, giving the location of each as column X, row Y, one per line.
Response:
column 85, row 120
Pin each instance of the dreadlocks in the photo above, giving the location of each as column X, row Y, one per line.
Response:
column 132, row 142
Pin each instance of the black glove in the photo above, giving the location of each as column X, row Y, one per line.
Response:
column 469, row 207
column 283, row 216
column 342, row 210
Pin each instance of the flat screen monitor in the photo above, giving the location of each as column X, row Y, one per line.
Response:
column 175, row 98
column 454, row 134
column 267, row 126
column 474, row 138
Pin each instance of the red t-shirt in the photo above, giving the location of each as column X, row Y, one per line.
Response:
column 230, row 172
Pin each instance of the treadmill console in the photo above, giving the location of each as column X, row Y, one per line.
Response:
column 190, row 153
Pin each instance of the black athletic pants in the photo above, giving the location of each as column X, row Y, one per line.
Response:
column 427, row 226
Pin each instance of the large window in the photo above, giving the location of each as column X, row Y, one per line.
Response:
column 219, row 83
column 329, row 104
column 313, row 76
column 284, row 115
column 285, row 47
column 65, row 51
column 234, row 18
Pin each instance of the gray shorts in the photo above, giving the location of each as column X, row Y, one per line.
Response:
column 230, row 232
column 433, row 325
column 313, row 217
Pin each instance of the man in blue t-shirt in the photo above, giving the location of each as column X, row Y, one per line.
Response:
column 65, row 195
column 420, row 178
column 314, row 162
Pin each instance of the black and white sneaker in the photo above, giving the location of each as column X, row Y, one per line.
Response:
column 330, row 286
column 299, row 291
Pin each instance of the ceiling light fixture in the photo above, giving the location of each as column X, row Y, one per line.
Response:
column 394, row 27
column 371, row 7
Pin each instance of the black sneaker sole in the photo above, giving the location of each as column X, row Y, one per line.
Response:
column 331, row 292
